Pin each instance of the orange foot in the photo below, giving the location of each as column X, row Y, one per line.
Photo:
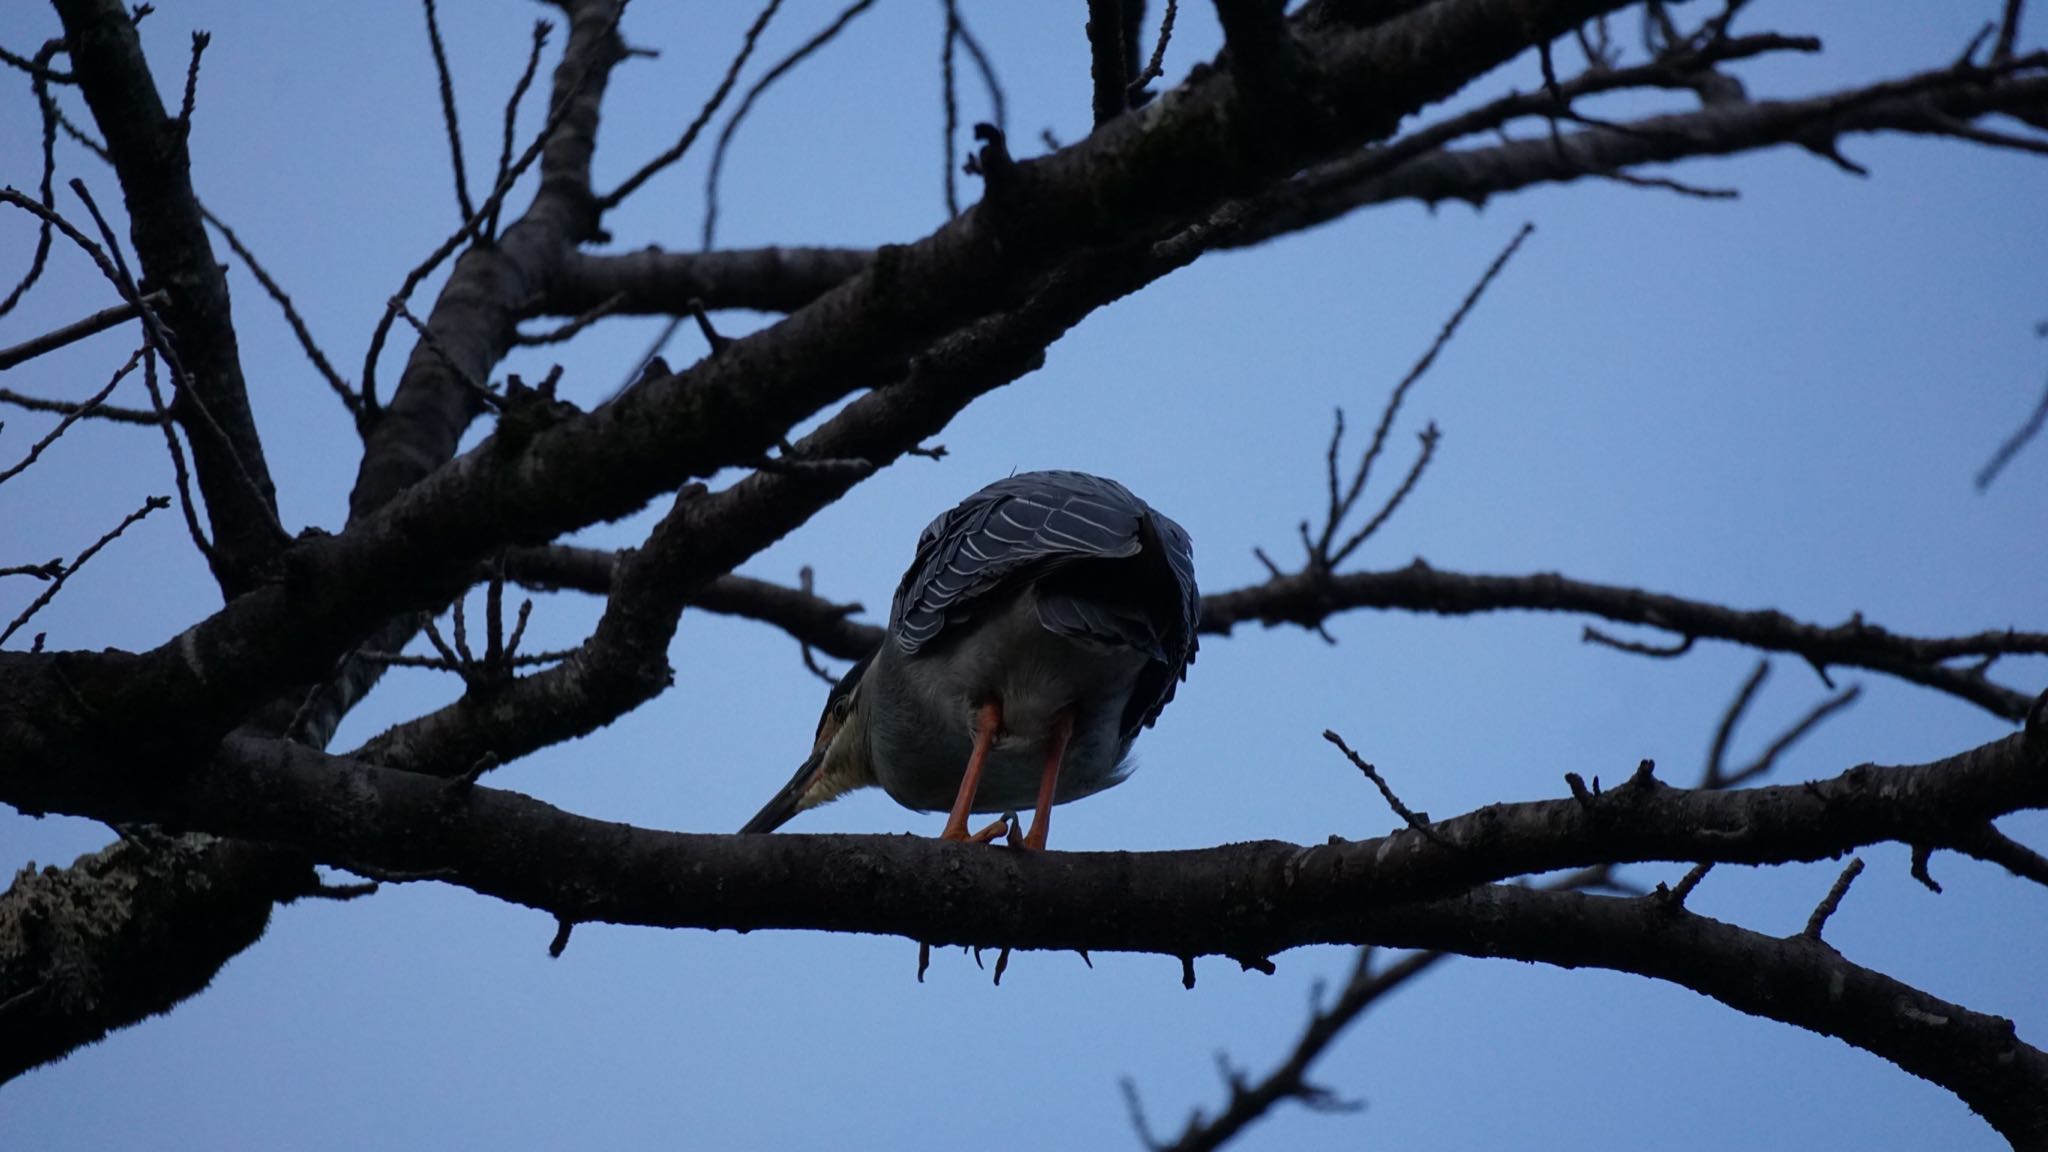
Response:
column 1006, row 823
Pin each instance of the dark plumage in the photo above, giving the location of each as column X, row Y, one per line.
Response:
column 1043, row 622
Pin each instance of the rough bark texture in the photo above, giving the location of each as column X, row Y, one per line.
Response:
column 1297, row 122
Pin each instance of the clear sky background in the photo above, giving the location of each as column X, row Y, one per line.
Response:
column 1778, row 401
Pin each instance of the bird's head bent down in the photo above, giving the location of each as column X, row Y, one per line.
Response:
column 838, row 762
column 1042, row 624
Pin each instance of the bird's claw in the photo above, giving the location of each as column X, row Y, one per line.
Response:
column 1007, row 822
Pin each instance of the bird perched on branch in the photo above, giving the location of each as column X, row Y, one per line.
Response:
column 1043, row 623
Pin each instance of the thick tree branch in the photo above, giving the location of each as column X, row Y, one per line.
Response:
column 125, row 933
column 623, row 663
column 1928, row 104
column 147, row 149
column 415, row 434
column 1109, row 76
column 1241, row 900
column 653, row 282
column 1247, row 900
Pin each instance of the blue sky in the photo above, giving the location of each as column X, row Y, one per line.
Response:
column 1778, row 401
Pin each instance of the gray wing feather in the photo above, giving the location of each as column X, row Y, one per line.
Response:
column 1014, row 525
column 1029, row 523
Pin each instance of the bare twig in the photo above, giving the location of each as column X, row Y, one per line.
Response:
column 675, row 152
column 998, row 104
column 950, row 104
column 56, row 585
column 199, row 42
column 1768, row 758
column 1832, row 900
column 1325, row 554
column 46, row 192
column 78, row 330
column 571, row 328
column 1156, row 67
column 477, row 388
column 1416, row 820
column 179, row 473
column 1593, row 635
column 66, row 407
column 1717, row 752
column 2008, row 30
column 2010, row 447
column 72, row 417
column 307, row 344
column 448, row 117
column 473, row 225
column 782, row 67
column 1992, row 846
column 1429, row 437
column 160, row 341
column 541, row 28
column 1691, row 880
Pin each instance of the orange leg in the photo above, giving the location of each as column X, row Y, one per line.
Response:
column 1055, row 751
column 986, row 721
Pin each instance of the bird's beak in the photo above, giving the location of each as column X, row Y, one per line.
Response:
column 823, row 775
column 790, row 800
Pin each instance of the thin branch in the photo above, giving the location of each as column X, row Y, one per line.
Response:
column 1429, row 438
column 950, row 104
column 1593, row 635
column 188, row 391
column 1833, row 900
column 179, row 474
column 992, row 84
column 1307, row 599
column 1992, row 846
column 66, row 407
column 477, row 388
column 78, row 330
column 56, row 585
column 46, row 192
column 453, row 122
column 1156, row 67
column 2008, row 30
column 574, row 326
column 782, row 67
column 675, row 152
column 1768, row 758
column 1415, row 820
column 1717, row 752
column 72, row 417
column 276, row 292
column 1324, row 554
column 541, row 28
column 557, row 113
column 2010, row 447
column 199, row 42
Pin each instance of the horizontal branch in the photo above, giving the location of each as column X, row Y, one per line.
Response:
column 660, row 283
column 78, row 330
column 1308, row 600
column 1244, row 900
column 1931, row 103
column 808, row 618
